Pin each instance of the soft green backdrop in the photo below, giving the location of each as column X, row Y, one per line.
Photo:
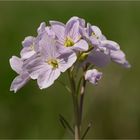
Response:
column 113, row 105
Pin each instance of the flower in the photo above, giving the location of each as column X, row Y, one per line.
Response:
column 93, row 76
column 30, row 47
column 103, row 50
column 45, row 29
column 69, row 35
column 30, row 43
column 119, row 57
column 23, row 77
column 48, row 65
column 58, row 46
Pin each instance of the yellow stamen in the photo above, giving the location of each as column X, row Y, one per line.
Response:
column 53, row 63
column 32, row 47
column 68, row 42
column 93, row 34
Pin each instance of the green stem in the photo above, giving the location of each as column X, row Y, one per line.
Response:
column 82, row 93
column 75, row 104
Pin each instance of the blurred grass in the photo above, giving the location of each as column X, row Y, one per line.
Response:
column 113, row 105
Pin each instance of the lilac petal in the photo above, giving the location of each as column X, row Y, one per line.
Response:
column 83, row 32
column 38, row 68
column 35, row 59
column 47, row 78
column 66, row 60
column 89, row 29
column 28, row 41
column 45, row 29
column 34, row 66
column 27, row 52
column 119, row 57
column 16, row 64
column 94, row 41
column 103, row 37
column 50, row 32
column 41, row 28
column 111, row 45
column 59, row 30
column 48, row 46
column 72, row 30
column 82, row 45
column 35, row 71
column 96, row 31
column 93, row 76
column 19, row 82
column 80, row 20
column 29, row 47
column 98, row 58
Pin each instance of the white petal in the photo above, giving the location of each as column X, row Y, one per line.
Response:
column 47, row 78
column 16, row 64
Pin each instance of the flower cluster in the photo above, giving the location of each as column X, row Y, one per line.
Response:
column 58, row 47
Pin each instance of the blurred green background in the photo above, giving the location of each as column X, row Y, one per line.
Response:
column 113, row 105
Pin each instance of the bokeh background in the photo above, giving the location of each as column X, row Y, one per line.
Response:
column 113, row 106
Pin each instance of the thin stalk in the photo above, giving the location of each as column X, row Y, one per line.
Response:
column 65, row 123
column 75, row 104
column 82, row 93
column 86, row 131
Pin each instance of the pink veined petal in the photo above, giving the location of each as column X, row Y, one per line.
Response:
column 67, row 60
column 47, row 78
column 16, row 64
column 19, row 82
column 59, row 30
column 82, row 45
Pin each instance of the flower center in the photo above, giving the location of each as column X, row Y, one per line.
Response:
column 53, row 63
column 93, row 34
column 68, row 42
column 32, row 47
